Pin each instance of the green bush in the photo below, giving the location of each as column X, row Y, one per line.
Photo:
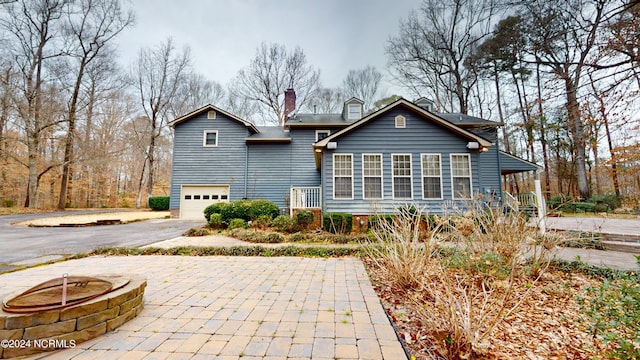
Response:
column 273, row 238
column 159, row 203
column 374, row 220
column 604, row 203
column 215, row 221
column 8, row 203
column 284, row 223
column 238, row 209
column 262, row 222
column 337, row 222
column 260, row 207
column 304, row 218
column 237, row 223
column 555, row 202
column 613, row 312
column 214, row 208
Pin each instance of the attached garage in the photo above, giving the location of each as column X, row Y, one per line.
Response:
column 195, row 198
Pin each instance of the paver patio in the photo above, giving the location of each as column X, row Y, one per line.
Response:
column 232, row 307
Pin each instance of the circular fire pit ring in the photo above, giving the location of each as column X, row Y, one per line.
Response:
column 65, row 311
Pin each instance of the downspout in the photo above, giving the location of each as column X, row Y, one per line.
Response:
column 246, row 169
column 499, row 169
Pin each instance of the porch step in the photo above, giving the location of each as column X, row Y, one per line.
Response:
column 624, row 246
column 622, row 242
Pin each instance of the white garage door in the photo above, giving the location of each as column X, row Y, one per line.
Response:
column 195, row 198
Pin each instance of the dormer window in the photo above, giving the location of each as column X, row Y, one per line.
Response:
column 401, row 122
column 211, row 114
column 354, row 112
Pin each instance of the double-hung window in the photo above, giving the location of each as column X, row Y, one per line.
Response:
column 402, row 181
column 461, row 176
column 431, row 176
column 210, row 138
column 342, row 176
column 371, row 176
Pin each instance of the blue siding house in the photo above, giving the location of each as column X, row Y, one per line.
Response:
column 350, row 162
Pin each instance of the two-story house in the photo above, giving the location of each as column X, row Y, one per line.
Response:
column 352, row 162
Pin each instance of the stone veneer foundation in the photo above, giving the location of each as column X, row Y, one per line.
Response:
column 55, row 329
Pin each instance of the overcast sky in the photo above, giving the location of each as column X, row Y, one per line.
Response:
column 336, row 35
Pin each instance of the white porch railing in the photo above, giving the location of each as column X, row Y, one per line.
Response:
column 511, row 201
column 305, row 198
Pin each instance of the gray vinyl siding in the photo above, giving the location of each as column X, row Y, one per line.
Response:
column 194, row 164
column 420, row 136
column 269, row 172
column 275, row 167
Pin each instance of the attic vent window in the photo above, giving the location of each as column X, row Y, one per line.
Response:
column 401, row 122
column 211, row 114
column 354, row 111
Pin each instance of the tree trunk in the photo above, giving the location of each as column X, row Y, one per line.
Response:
column 543, row 140
column 577, row 129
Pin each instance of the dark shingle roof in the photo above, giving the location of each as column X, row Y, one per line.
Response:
column 331, row 120
column 270, row 134
column 466, row 120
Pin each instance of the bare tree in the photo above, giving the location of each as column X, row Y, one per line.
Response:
column 91, row 26
column 328, row 101
column 158, row 73
column 32, row 26
column 195, row 92
column 363, row 84
column 428, row 54
column 270, row 73
column 564, row 38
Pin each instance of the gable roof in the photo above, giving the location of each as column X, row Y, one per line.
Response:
column 252, row 128
column 403, row 102
column 317, row 120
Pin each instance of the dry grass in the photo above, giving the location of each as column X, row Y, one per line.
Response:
column 461, row 297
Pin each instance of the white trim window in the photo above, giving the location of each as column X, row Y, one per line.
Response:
column 210, row 138
column 343, row 176
column 354, row 111
column 461, row 176
column 321, row 134
column 402, row 179
column 431, row 176
column 372, row 176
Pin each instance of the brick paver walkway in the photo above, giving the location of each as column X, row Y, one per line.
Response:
column 236, row 307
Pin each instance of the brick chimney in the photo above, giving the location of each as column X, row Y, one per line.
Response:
column 289, row 102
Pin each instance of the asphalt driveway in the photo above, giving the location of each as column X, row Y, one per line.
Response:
column 19, row 243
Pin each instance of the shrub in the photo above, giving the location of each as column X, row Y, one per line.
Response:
column 262, row 222
column 300, row 236
column 284, row 223
column 197, row 231
column 215, row 221
column 214, row 208
column 237, row 223
column 613, row 310
column 604, row 203
column 238, row 209
column 373, row 221
column 159, row 203
column 336, row 222
column 304, row 218
column 8, row 203
column 555, row 202
column 273, row 238
column 259, row 208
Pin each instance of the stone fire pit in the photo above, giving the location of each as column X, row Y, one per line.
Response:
column 42, row 319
